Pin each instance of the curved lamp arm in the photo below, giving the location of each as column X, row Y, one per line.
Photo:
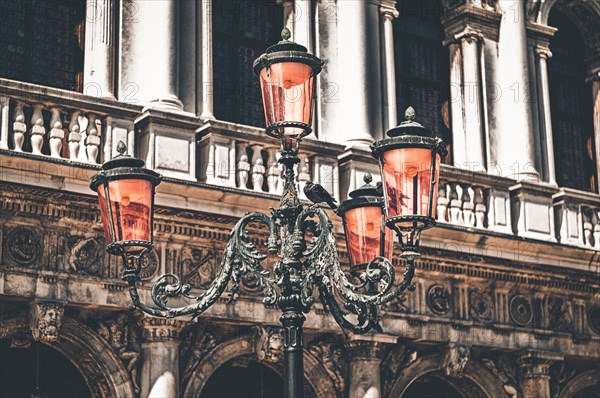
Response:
column 239, row 259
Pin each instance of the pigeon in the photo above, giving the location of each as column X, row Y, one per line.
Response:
column 393, row 198
column 317, row 194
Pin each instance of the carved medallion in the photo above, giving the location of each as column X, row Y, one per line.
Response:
column 23, row 246
column 438, row 299
column 481, row 307
column 521, row 312
column 594, row 319
column 86, row 256
column 149, row 265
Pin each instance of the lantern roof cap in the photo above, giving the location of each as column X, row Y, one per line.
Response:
column 409, row 126
column 368, row 189
column 286, row 44
column 122, row 159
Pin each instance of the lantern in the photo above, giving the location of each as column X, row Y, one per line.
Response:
column 363, row 217
column 287, row 75
column 410, row 171
column 126, row 197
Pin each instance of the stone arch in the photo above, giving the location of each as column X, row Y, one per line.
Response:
column 99, row 366
column 579, row 382
column 474, row 372
column 586, row 15
column 245, row 345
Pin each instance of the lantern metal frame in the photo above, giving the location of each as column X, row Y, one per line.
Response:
column 308, row 264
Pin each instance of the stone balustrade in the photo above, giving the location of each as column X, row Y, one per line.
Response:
column 577, row 218
column 62, row 124
column 244, row 157
column 473, row 200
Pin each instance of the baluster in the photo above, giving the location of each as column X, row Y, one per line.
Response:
column 243, row 167
column 468, row 207
column 442, row 203
column 303, row 177
column 480, row 208
column 274, row 172
column 456, row 204
column 74, row 137
column 92, row 139
column 4, row 118
column 258, row 168
column 597, row 229
column 587, row 227
column 19, row 128
column 37, row 129
column 56, row 133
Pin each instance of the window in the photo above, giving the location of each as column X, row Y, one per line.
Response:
column 571, row 107
column 422, row 65
column 42, row 42
column 242, row 30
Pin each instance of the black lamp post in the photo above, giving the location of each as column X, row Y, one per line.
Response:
column 410, row 170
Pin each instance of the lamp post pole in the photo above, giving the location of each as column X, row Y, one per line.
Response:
column 307, row 268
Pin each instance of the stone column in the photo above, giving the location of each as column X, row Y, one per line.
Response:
column 364, row 359
column 512, row 137
column 353, row 127
column 149, row 54
column 208, row 86
column 459, row 139
column 474, row 122
column 388, row 14
column 160, row 357
column 99, row 59
column 596, row 98
column 542, row 54
column 534, row 366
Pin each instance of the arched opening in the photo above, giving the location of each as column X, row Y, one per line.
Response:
column 588, row 392
column 243, row 379
column 423, row 65
column 571, row 107
column 431, row 386
column 57, row 376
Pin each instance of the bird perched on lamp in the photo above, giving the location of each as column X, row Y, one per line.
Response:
column 317, row 194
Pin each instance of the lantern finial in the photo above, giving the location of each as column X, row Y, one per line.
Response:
column 121, row 148
column 368, row 178
column 286, row 34
column 409, row 114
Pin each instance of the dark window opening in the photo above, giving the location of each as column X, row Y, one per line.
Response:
column 422, row 65
column 571, row 107
column 42, row 42
column 242, row 30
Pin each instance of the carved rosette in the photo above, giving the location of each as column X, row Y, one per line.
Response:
column 521, row 311
column 45, row 321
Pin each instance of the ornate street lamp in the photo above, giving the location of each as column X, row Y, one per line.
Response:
column 409, row 164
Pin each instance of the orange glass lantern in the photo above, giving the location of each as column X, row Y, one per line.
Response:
column 287, row 75
column 410, row 171
column 363, row 217
column 126, row 197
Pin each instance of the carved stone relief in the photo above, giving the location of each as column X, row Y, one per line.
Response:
column 438, row 299
column 23, row 246
column 505, row 369
column 195, row 344
column 150, row 263
column 85, row 256
column 521, row 311
column 269, row 344
column 560, row 316
column 481, row 306
column 45, row 321
column 455, row 360
column 329, row 352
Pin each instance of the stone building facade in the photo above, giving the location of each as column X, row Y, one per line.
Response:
column 507, row 299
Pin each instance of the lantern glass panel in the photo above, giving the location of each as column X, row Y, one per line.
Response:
column 407, row 182
column 131, row 203
column 363, row 234
column 287, row 94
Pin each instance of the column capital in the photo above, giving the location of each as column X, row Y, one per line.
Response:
column 534, row 364
column 161, row 329
column 468, row 34
column 388, row 11
column 543, row 52
column 369, row 346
